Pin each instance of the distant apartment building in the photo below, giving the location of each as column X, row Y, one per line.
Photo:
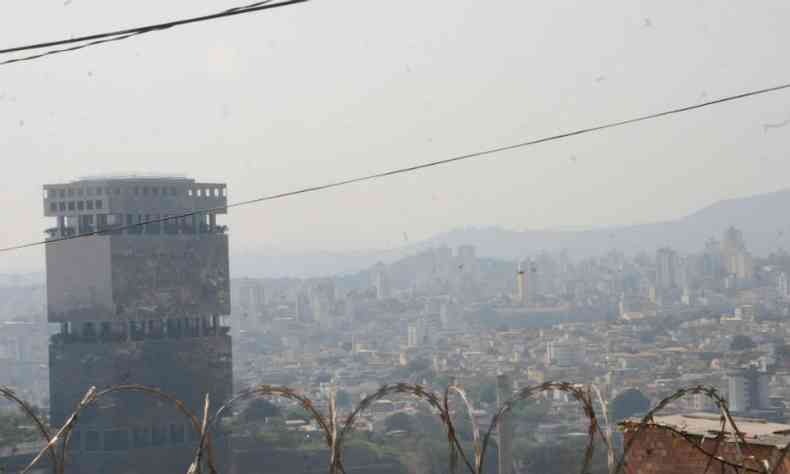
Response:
column 737, row 261
column 564, row 353
column 783, row 285
column 143, row 301
column 413, row 335
column 747, row 390
column 467, row 254
column 529, row 284
column 667, row 272
column 711, row 264
column 381, row 281
column 252, row 297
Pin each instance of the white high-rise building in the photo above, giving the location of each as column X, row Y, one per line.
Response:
column 522, row 283
column 381, row 282
column 413, row 335
column 783, row 285
column 527, row 282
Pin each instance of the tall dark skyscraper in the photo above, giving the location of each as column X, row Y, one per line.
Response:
column 143, row 305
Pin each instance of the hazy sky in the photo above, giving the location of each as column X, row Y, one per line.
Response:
column 306, row 94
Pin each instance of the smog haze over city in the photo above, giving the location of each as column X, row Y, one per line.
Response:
column 427, row 210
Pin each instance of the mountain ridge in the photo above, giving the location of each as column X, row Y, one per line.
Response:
column 759, row 216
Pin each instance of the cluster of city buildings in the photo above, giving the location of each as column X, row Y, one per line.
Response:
column 153, row 303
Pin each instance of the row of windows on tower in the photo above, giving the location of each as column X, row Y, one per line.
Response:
column 142, row 437
column 72, row 192
column 133, row 224
column 119, row 331
column 133, row 191
column 76, row 205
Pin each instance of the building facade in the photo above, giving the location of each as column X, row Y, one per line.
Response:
column 137, row 304
column 658, row 450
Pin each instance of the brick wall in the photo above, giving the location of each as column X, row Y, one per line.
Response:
column 658, row 451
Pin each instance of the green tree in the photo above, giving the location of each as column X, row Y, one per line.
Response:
column 742, row 343
column 17, row 428
column 558, row 458
column 628, row 403
column 399, row 422
column 297, row 413
column 463, row 426
column 488, row 393
column 419, row 365
column 531, row 411
column 441, row 381
column 259, row 409
column 343, row 399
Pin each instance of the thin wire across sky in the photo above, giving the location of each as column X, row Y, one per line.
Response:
column 110, row 36
column 490, row 152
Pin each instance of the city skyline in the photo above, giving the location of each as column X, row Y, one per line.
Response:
column 326, row 262
column 297, row 236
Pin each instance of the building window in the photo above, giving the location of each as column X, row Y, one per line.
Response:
column 92, row 441
column 199, row 193
column 193, row 434
column 173, row 191
column 116, row 440
column 177, row 434
column 136, row 190
column 80, row 205
column 98, row 204
column 142, row 437
column 145, row 190
column 62, row 206
column 158, row 436
column 53, row 207
column 75, row 441
column 224, row 192
column 99, row 191
column 155, row 191
column 154, row 227
column 90, row 205
column 62, row 193
column 71, row 205
column 189, row 192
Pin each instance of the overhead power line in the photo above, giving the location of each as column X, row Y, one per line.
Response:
column 100, row 38
column 430, row 164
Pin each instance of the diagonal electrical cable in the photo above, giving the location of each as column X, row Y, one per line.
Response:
column 71, row 48
column 100, row 38
column 409, row 169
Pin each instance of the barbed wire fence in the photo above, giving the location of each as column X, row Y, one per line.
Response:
column 56, row 446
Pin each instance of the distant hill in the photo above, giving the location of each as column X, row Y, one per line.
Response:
column 762, row 218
